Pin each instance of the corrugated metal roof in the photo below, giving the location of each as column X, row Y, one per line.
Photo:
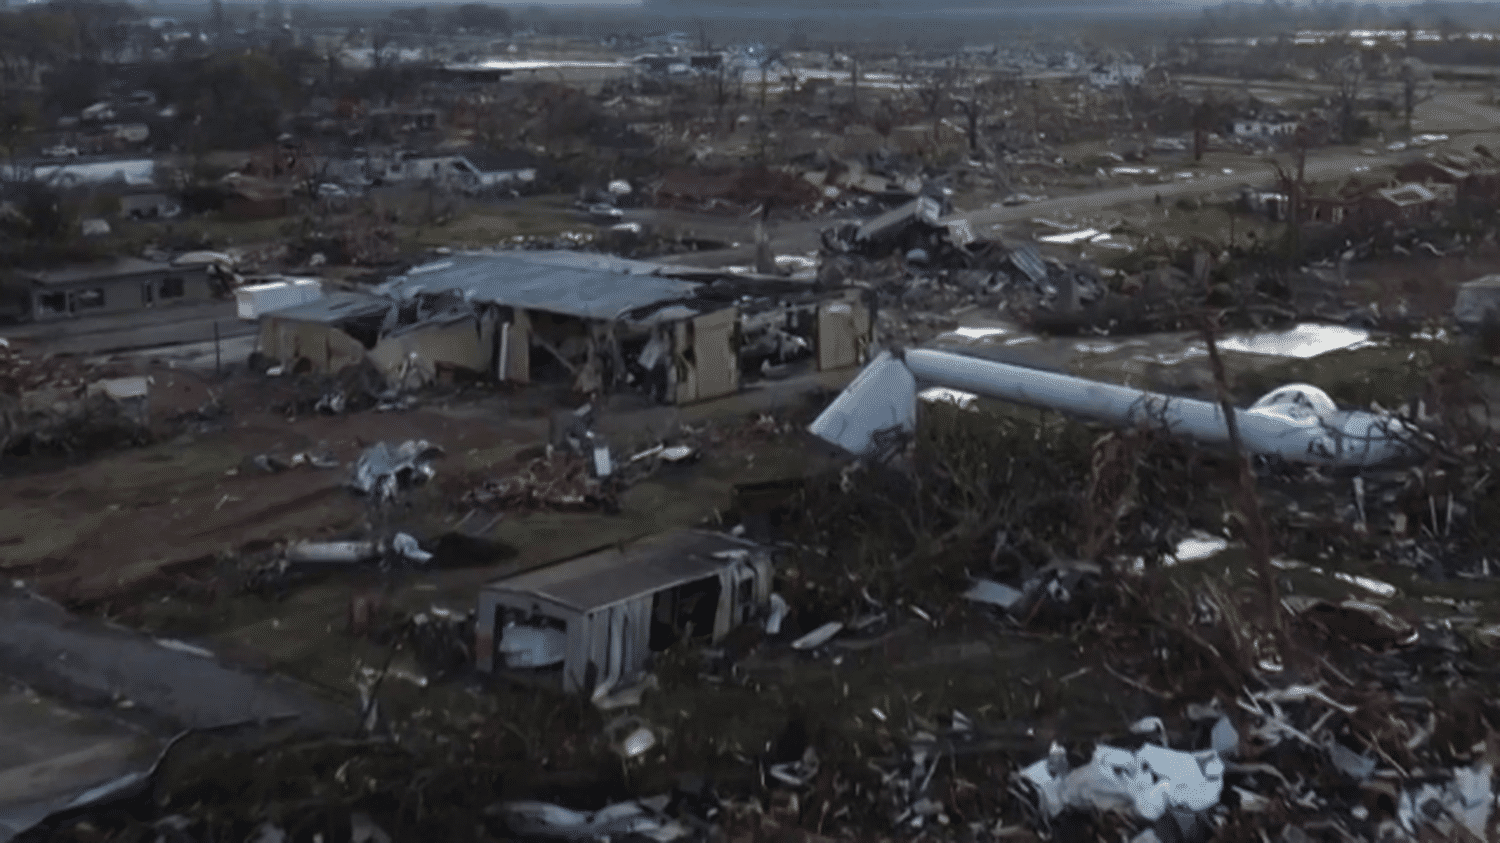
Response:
column 546, row 282
column 592, row 260
column 1028, row 260
column 611, row 576
column 922, row 209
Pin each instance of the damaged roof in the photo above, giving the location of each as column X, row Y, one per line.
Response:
column 335, row 306
column 923, row 209
column 590, row 290
column 606, row 577
column 1407, row 194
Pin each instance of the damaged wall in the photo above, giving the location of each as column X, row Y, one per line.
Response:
column 844, row 331
column 316, row 346
column 606, row 602
column 514, row 348
column 706, row 355
column 409, row 357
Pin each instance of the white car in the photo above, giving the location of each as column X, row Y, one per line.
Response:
column 1397, row 146
column 606, row 213
column 60, row 151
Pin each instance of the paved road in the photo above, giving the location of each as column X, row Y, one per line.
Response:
column 1329, row 165
column 801, row 236
column 1451, row 111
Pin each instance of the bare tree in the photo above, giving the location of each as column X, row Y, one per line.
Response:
column 767, row 60
column 1347, row 75
column 719, row 92
column 1416, row 86
column 382, row 46
column 935, row 92
column 854, row 80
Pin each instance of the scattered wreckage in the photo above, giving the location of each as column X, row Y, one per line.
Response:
column 63, row 404
column 1298, row 423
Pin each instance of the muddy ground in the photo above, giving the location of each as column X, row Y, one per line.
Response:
column 1003, row 494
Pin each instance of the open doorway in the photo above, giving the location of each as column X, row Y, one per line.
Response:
column 687, row 611
column 530, row 640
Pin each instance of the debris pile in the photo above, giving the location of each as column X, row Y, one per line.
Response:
column 560, row 482
column 383, row 471
column 927, row 269
column 1151, row 783
column 738, row 192
column 64, row 404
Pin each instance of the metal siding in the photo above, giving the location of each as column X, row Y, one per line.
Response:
column 686, row 374
column 838, row 335
column 457, row 343
column 724, row 611
column 598, row 648
column 484, row 632
column 580, row 651
column 518, row 357
column 638, row 626
column 718, row 369
column 519, row 281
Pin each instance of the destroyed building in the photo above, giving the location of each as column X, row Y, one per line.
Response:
column 595, row 321
column 596, row 619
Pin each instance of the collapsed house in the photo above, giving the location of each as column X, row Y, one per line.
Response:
column 594, row 620
column 596, row 321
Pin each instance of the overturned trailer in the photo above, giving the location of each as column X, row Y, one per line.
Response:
column 1298, row 422
column 592, row 621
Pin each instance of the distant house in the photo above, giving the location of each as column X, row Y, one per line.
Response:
column 1410, row 203
column 117, row 286
column 1116, row 74
column 706, row 62
column 1470, row 178
column 149, row 206
column 404, row 119
column 133, row 172
column 1478, row 302
column 1427, row 171
column 1357, row 204
column 251, row 198
column 469, row 170
column 1264, row 128
column 502, row 168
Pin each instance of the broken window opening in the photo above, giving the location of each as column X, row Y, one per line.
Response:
column 91, row 299
column 172, row 287
column 645, row 361
column 745, row 596
column 559, row 347
column 365, row 329
column 53, row 303
column 687, row 611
